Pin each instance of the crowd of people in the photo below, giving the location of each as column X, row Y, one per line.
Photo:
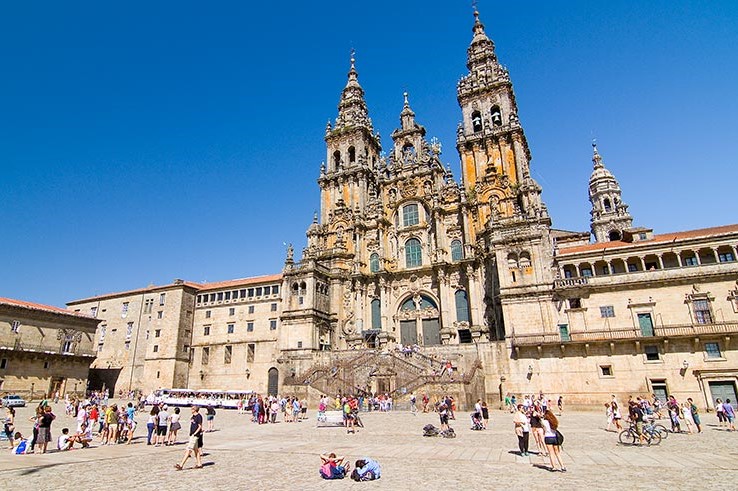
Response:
column 683, row 417
column 535, row 416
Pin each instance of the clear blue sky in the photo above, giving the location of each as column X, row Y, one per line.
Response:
column 148, row 141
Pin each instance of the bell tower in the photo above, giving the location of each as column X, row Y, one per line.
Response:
column 495, row 159
column 609, row 214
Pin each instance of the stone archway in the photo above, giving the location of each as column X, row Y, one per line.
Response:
column 419, row 319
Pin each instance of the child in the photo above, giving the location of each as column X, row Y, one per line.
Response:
column 20, row 444
column 64, row 442
column 333, row 467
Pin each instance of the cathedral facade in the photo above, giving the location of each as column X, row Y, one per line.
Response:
column 469, row 275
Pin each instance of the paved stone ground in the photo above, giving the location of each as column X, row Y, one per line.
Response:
column 285, row 456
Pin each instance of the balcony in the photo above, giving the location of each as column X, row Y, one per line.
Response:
column 629, row 334
column 18, row 345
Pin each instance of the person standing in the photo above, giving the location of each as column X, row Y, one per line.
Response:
column 561, row 405
column 211, row 416
column 44, row 428
column 553, row 440
column 9, row 425
column 522, row 430
column 162, row 426
column 152, row 423
column 485, row 415
column 194, row 446
column 174, row 427
column 729, row 414
column 695, row 414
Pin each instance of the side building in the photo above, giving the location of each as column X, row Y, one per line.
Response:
column 44, row 349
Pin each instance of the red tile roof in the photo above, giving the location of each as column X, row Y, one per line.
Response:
column 38, row 306
column 657, row 239
column 239, row 282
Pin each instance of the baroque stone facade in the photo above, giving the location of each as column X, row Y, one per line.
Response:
column 471, row 272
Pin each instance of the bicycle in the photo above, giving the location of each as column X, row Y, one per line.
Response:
column 630, row 436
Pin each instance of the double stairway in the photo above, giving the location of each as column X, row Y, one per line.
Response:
column 365, row 371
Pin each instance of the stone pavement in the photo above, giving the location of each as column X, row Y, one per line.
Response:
column 285, row 456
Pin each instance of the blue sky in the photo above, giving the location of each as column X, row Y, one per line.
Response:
column 147, row 141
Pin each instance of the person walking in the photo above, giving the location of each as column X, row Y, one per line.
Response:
column 729, row 414
column 522, row 430
column 194, row 445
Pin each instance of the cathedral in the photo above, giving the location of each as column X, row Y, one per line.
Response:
column 415, row 282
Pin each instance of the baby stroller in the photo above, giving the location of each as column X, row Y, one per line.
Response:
column 476, row 422
column 430, row 430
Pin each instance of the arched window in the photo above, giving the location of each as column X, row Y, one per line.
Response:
column 376, row 314
column 413, row 254
column 606, row 204
column 336, row 159
column 462, row 306
column 410, row 215
column 352, row 154
column 408, row 304
column 427, row 302
column 512, row 260
column 524, row 260
column 496, row 116
column 614, row 235
column 457, row 253
column 476, row 121
column 374, row 263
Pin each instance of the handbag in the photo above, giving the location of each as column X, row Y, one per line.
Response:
column 559, row 438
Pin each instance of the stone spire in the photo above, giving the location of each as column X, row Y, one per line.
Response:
column 609, row 214
column 481, row 51
column 352, row 110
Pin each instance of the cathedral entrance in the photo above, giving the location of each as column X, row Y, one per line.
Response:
column 419, row 321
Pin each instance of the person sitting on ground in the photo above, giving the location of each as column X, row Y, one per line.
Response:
column 65, row 441
column 20, row 444
column 84, row 437
column 366, row 469
column 333, row 467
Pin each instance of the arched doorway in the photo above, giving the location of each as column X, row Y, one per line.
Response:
column 273, row 382
column 419, row 321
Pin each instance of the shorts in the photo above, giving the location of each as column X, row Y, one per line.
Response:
column 161, row 430
column 639, row 428
column 175, row 427
column 550, row 440
column 113, row 427
column 44, row 435
column 210, row 417
column 444, row 419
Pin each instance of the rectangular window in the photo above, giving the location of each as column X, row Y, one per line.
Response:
column 272, row 324
column 632, row 268
column 258, row 291
column 156, row 348
column 234, row 294
column 206, row 331
column 93, row 312
column 231, row 328
column 723, row 257
column 160, row 314
column 275, row 289
column 148, row 304
column 100, row 347
column 157, row 333
column 227, row 295
column 410, row 215
column 124, row 309
column 713, row 350
column 205, row 355
column 220, row 296
column 251, row 309
column 702, row 312
column 227, row 354
column 606, row 370
column 212, row 297
column 274, row 307
column 126, row 345
column 3, row 364
column 232, row 311
column 575, row 303
column 199, row 299
column 690, row 261
column 15, row 326
column 208, row 313
column 250, row 327
column 652, row 353
column 266, row 290
column 162, row 297
column 250, row 353
column 251, row 292
column 587, row 272
column 243, row 293
column 129, row 330
column 607, row 311
column 299, row 344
